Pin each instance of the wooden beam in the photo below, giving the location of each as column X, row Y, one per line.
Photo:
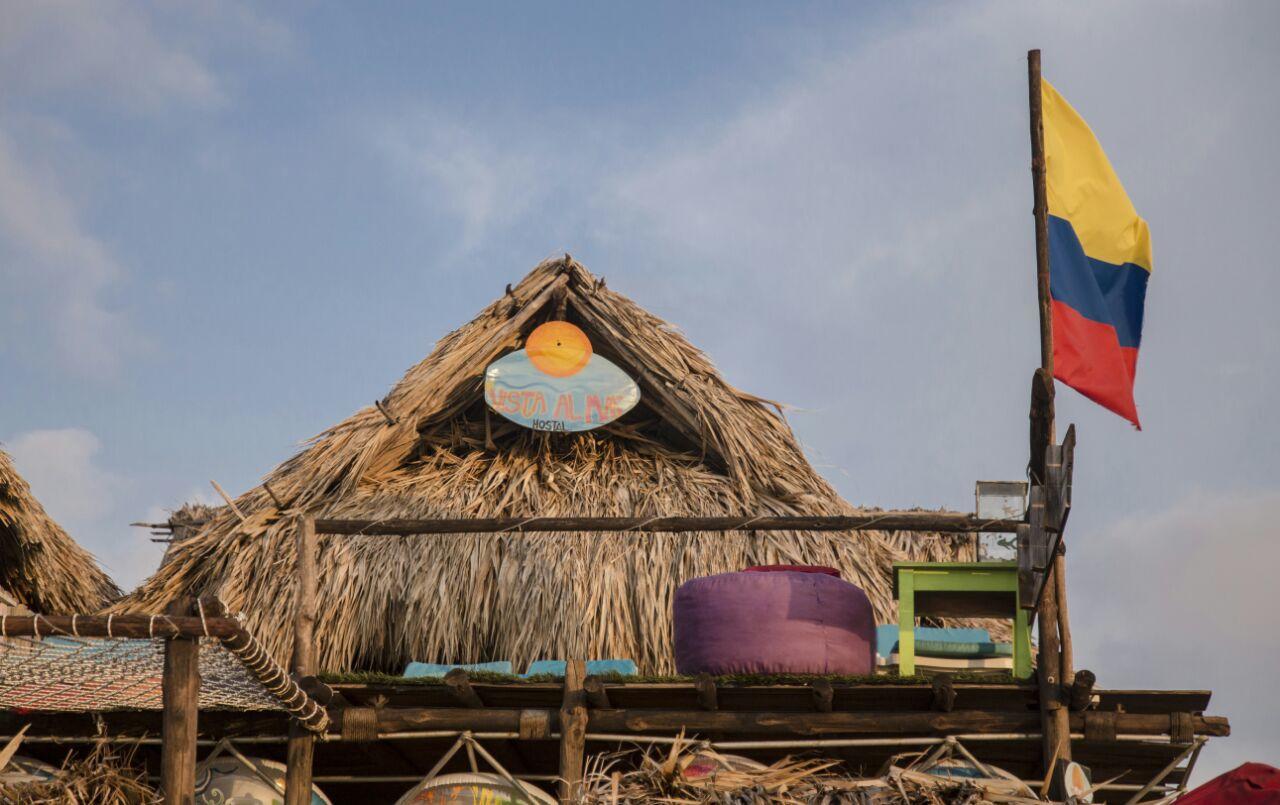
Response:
column 301, row 748
column 947, row 522
column 917, row 723
column 132, row 626
column 573, row 731
column 180, row 692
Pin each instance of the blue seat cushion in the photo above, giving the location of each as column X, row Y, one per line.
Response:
column 431, row 669
column 557, row 667
column 887, row 637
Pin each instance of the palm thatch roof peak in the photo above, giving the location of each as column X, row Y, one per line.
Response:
column 41, row 566
column 695, row 445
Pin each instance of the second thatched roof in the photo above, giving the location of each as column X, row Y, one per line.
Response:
column 694, row 446
column 41, row 567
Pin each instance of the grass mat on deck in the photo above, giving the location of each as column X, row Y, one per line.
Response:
column 730, row 680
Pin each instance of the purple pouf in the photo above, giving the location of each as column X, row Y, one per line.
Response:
column 771, row 623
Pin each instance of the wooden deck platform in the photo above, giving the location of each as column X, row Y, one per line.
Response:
column 1130, row 734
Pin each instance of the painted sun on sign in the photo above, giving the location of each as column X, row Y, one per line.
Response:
column 557, row 383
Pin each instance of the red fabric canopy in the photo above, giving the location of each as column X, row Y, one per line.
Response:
column 1250, row 784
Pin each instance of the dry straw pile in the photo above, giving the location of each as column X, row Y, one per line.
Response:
column 694, row 446
column 99, row 778
column 41, row 567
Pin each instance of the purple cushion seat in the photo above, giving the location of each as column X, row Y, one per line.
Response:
column 772, row 623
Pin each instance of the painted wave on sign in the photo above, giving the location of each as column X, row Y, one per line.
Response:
column 594, row 395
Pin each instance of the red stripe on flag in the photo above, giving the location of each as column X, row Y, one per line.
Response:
column 1087, row 356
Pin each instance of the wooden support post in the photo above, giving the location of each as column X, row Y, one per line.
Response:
column 597, row 695
column 705, row 686
column 823, row 695
column 301, row 749
column 459, row 685
column 180, row 690
column 1082, row 690
column 944, row 693
column 573, row 732
column 1064, row 621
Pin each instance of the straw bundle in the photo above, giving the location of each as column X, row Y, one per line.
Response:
column 40, row 565
column 694, row 446
column 664, row 776
column 99, row 778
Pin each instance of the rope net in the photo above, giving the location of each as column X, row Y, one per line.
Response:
column 90, row 674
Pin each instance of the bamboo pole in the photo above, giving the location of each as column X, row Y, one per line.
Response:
column 301, row 749
column 1057, row 739
column 180, row 692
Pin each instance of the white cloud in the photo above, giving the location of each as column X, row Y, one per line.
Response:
column 86, row 498
column 111, row 46
column 457, row 171
column 61, row 467
column 52, row 257
column 1185, row 598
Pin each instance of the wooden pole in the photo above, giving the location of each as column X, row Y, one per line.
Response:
column 1064, row 620
column 1057, row 736
column 1041, row 212
column 301, row 749
column 180, row 691
column 573, row 731
column 950, row 522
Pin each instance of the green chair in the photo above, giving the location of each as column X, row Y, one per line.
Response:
column 959, row 590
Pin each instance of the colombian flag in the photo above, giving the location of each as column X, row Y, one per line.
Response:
column 1099, row 263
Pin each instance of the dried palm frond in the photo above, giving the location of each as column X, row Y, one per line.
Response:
column 693, row 446
column 40, row 565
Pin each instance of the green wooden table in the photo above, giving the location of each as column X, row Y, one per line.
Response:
column 958, row 590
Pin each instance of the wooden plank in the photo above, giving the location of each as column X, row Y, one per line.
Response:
column 948, row 522
column 180, row 685
column 1154, row 701
column 301, row 748
column 573, row 731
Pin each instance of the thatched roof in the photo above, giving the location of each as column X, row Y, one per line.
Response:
column 40, row 565
column 694, row 446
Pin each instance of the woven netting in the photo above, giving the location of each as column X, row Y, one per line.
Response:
column 66, row 674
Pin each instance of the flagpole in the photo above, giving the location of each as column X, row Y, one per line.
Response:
column 1041, row 211
column 1052, row 627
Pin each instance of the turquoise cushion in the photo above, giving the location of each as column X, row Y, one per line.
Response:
column 556, row 667
column 887, row 637
column 962, row 650
column 432, row 669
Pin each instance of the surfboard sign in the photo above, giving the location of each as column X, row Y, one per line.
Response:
column 558, row 384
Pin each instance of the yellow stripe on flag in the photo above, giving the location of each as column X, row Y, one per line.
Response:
column 1084, row 189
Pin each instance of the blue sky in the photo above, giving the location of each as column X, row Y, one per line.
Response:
column 224, row 227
